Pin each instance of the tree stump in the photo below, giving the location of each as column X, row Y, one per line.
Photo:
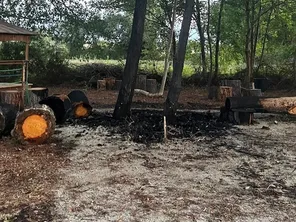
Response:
column 60, row 104
column 237, row 116
column 13, row 97
column 235, row 84
column 151, row 85
column 261, row 83
column 8, row 114
column 141, row 82
column 224, row 92
column 80, row 104
column 110, row 83
column 35, row 95
column 252, row 92
column 213, row 92
column 34, row 125
column 101, row 85
column 118, row 84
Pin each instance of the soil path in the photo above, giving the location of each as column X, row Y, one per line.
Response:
column 245, row 174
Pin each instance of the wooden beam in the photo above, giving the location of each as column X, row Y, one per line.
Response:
column 12, row 62
column 10, row 37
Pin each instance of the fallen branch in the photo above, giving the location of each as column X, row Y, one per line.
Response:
column 145, row 93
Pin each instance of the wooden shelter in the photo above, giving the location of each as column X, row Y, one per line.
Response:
column 9, row 32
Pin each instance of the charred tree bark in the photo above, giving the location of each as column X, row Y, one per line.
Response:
column 34, row 125
column 125, row 96
column 175, row 88
column 60, row 104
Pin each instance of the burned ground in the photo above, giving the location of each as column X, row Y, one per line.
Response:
column 100, row 169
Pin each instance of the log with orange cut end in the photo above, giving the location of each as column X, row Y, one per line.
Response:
column 80, row 104
column 34, row 125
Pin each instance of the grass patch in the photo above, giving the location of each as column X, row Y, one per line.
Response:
column 149, row 66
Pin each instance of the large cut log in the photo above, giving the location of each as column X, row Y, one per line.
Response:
column 235, row 84
column 261, row 104
column 151, row 85
column 141, row 82
column 80, row 104
column 13, row 97
column 60, row 104
column 35, row 125
column 35, row 95
column 8, row 114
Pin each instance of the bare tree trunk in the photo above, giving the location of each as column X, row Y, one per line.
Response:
column 210, row 77
column 218, row 42
column 126, row 92
column 168, row 52
column 202, row 37
column 175, row 88
column 294, row 67
column 264, row 41
column 248, row 45
column 256, row 34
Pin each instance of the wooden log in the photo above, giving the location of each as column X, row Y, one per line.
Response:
column 13, row 97
column 213, row 92
column 101, row 85
column 224, row 92
column 60, row 104
column 8, row 114
column 235, row 84
column 141, row 82
column 35, row 95
column 118, row 84
column 110, row 83
column 292, row 110
column 151, row 85
column 80, row 104
column 34, row 125
column 261, row 104
column 251, row 92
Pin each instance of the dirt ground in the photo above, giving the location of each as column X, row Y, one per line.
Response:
column 102, row 170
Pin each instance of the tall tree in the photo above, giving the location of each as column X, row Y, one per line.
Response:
column 218, row 34
column 210, row 44
column 175, row 88
column 168, row 51
column 126, row 92
column 201, row 32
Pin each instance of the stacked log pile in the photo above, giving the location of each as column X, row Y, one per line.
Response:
column 142, row 84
